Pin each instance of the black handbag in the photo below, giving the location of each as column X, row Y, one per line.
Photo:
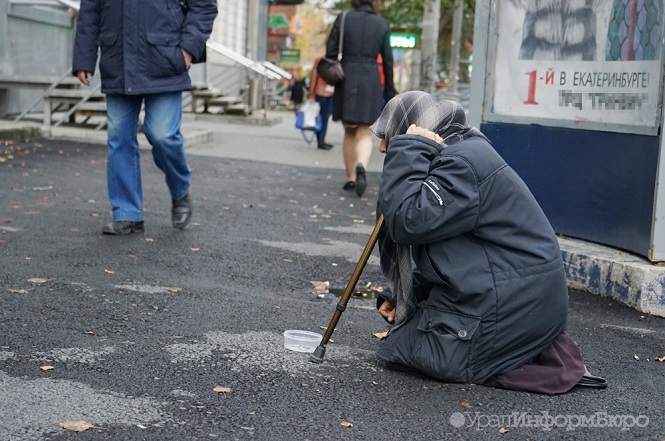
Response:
column 331, row 69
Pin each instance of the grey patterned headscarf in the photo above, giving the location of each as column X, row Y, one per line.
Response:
column 444, row 117
column 448, row 120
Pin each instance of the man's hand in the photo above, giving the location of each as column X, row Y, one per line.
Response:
column 387, row 311
column 417, row 130
column 188, row 57
column 84, row 77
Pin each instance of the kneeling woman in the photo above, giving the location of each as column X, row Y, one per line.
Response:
column 487, row 300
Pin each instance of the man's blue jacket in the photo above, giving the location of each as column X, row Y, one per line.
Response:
column 141, row 41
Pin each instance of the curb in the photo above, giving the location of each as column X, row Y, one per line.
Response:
column 608, row 272
column 193, row 136
column 22, row 132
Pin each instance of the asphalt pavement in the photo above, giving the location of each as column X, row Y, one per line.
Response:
column 133, row 334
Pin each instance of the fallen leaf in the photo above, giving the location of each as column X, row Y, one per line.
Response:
column 149, row 239
column 660, row 358
column 78, row 426
column 380, row 334
column 636, row 357
column 93, row 214
column 91, row 201
column 195, row 249
column 346, row 424
column 247, row 205
column 503, row 430
column 464, row 404
column 46, row 368
column 222, row 389
column 18, row 291
column 313, row 216
column 89, row 332
column 172, row 290
column 293, row 201
column 358, row 221
column 320, row 286
column 108, row 271
column 38, row 280
column 5, row 220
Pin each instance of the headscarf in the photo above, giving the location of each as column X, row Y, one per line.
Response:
column 445, row 118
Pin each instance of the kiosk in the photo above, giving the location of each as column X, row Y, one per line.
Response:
column 571, row 93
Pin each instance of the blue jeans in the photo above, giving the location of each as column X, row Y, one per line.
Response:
column 326, row 110
column 161, row 126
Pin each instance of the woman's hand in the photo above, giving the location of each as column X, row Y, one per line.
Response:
column 387, row 311
column 417, row 130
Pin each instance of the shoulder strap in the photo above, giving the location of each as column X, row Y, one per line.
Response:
column 341, row 38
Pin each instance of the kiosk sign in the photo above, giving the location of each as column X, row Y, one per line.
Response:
column 590, row 63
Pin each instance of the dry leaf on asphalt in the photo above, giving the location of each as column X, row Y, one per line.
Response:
column 247, row 205
column 195, row 249
column 89, row 332
column 660, row 358
column 5, row 220
column 46, row 368
column 222, row 390
column 503, row 431
column 380, row 334
column 18, row 291
column 464, row 404
column 108, row 271
column 78, row 426
column 320, row 286
column 149, row 239
column 173, row 290
column 346, row 423
column 38, row 280
column 358, row 221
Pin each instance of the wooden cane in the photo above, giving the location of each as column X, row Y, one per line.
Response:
column 320, row 351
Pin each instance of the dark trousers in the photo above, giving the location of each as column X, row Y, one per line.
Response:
column 326, row 110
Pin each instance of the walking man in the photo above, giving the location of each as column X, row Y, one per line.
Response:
column 146, row 49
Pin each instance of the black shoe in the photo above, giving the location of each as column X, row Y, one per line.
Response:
column 349, row 186
column 120, row 228
column 361, row 180
column 589, row 380
column 181, row 213
column 325, row 146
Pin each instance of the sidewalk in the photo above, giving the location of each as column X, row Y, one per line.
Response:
column 271, row 137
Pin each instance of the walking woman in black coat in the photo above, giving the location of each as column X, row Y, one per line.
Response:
column 359, row 99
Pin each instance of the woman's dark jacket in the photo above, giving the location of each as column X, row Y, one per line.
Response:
column 485, row 253
column 360, row 97
column 141, row 42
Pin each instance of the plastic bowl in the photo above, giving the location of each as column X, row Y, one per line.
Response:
column 301, row 341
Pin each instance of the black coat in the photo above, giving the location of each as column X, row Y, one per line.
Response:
column 485, row 251
column 360, row 98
